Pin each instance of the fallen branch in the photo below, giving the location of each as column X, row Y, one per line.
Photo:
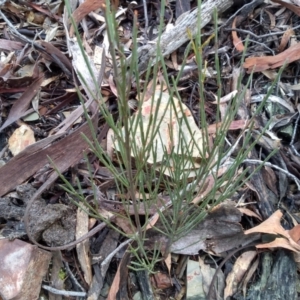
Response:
column 179, row 34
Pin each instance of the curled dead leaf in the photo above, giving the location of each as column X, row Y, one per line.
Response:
column 237, row 42
column 258, row 64
column 235, row 277
column 272, row 226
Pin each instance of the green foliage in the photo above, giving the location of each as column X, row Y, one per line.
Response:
column 181, row 214
column 62, row 274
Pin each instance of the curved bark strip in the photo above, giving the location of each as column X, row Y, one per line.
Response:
column 178, row 35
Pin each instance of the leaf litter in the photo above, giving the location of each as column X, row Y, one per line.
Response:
column 40, row 73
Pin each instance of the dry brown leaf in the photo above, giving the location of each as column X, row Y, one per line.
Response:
column 249, row 275
column 15, row 9
column 153, row 221
column 92, row 223
column 174, row 60
column 19, row 108
column 21, row 138
column 65, row 125
column 272, row 18
column 270, row 179
column 10, row 45
column 120, row 277
column 222, row 102
column 237, row 42
column 258, row 64
column 112, row 295
column 99, row 59
column 81, row 69
column 285, row 39
column 271, row 226
column 55, row 55
column 82, row 249
column 207, row 272
column 278, row 243
column 220, row 231
column 112, row 85
column 295, row 233
column 168, row 261
column 225, row 98
column 161, row 281
column 248, row 212
column 238, row 271
column 62, row 102
column 208, row 185
column 109, row 143
column 149, row 90
column 35, row 18
column 125, row 225
column 45, row 12
column 84, row 9
column 271, row 74
column 234, row 125
column 115, row 4
column 295, row 9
